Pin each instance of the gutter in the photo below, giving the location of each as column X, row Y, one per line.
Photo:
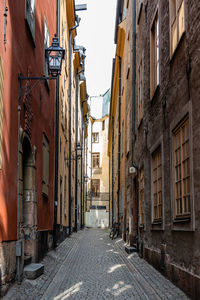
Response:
column 119, row 138
column 133, row 110
column 69, row 111
column 56, row 138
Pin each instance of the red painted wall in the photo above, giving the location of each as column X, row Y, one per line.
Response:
column 20, row 55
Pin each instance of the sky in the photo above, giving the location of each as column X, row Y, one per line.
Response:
column 96, row 34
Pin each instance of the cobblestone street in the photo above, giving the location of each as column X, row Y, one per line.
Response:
column 90, row 266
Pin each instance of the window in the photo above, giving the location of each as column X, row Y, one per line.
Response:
column 45, row 173
column 103, row 125
column 181, row 160
column 46, row 45
column 154, row 56
column 95, row 187
column 157, row 184
column 30, row 16
column 140, row 93
column 141, row 197
column 96, row 160
column 177, row 22
column 95, row 137
column 1, row 108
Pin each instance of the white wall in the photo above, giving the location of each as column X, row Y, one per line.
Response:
column 96, row 218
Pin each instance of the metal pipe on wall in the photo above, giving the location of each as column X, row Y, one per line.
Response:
column 69, row 111
column 76, row 159
column 119, row 137
column 56, row 137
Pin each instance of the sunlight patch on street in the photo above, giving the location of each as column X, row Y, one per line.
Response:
column 74, row 289
column 114, row 268
column 119, row 288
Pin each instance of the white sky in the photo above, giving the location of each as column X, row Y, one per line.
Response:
column 96, row 34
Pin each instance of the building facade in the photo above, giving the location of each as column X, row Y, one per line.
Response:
column 27, row 135
column 166, row 147
column 154, row 106
column 97, row 203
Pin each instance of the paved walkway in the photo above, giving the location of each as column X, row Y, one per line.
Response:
column 89, row 266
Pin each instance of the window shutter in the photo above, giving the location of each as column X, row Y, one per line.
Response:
column 1, row 108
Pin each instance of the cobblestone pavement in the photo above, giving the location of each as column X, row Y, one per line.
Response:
column 90, row 266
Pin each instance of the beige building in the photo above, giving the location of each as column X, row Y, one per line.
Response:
column 97, row 206
column 72, row 105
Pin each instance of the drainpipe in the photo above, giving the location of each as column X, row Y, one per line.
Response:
column 134, row 81
column 133, row 108
column 81, row 185
column 112, row 171
column 91, row 164
column 76, row 159
column 83, row 175
column 119, row 137
column 56, row 138
column 19, row 242
column 69, row 110
column 109, row 192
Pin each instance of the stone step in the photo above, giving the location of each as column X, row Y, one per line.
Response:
column 130, row 249
column 27, row 260
column 33, row 270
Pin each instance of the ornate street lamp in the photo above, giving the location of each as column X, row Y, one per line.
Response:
column 54, row 55
column 78, row 151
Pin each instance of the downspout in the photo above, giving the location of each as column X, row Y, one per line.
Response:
column 82, row 172
column 134, row 82
column 133, row 110
column 81, row 187
column 69, row 110
column 119, row 138
column 86, row 170
column 56, row 137
column 91, row 164
column 19, row 242
column 109, row 190
column 112, row 171
column 76, row 159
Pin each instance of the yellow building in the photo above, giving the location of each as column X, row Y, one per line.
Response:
column 116, row 129
column 72, row 92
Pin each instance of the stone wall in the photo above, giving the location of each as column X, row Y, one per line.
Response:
column 176, row 96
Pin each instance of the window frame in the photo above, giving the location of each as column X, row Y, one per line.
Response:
column 155, row 54
column 157, row 163
column 187, row 225
column 103, row 125
column 175, row 20
column 96, row 165
column 179, row 128
column 95, row 141
column 97, row 191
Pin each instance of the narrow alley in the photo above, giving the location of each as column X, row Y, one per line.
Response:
column 90, row 266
